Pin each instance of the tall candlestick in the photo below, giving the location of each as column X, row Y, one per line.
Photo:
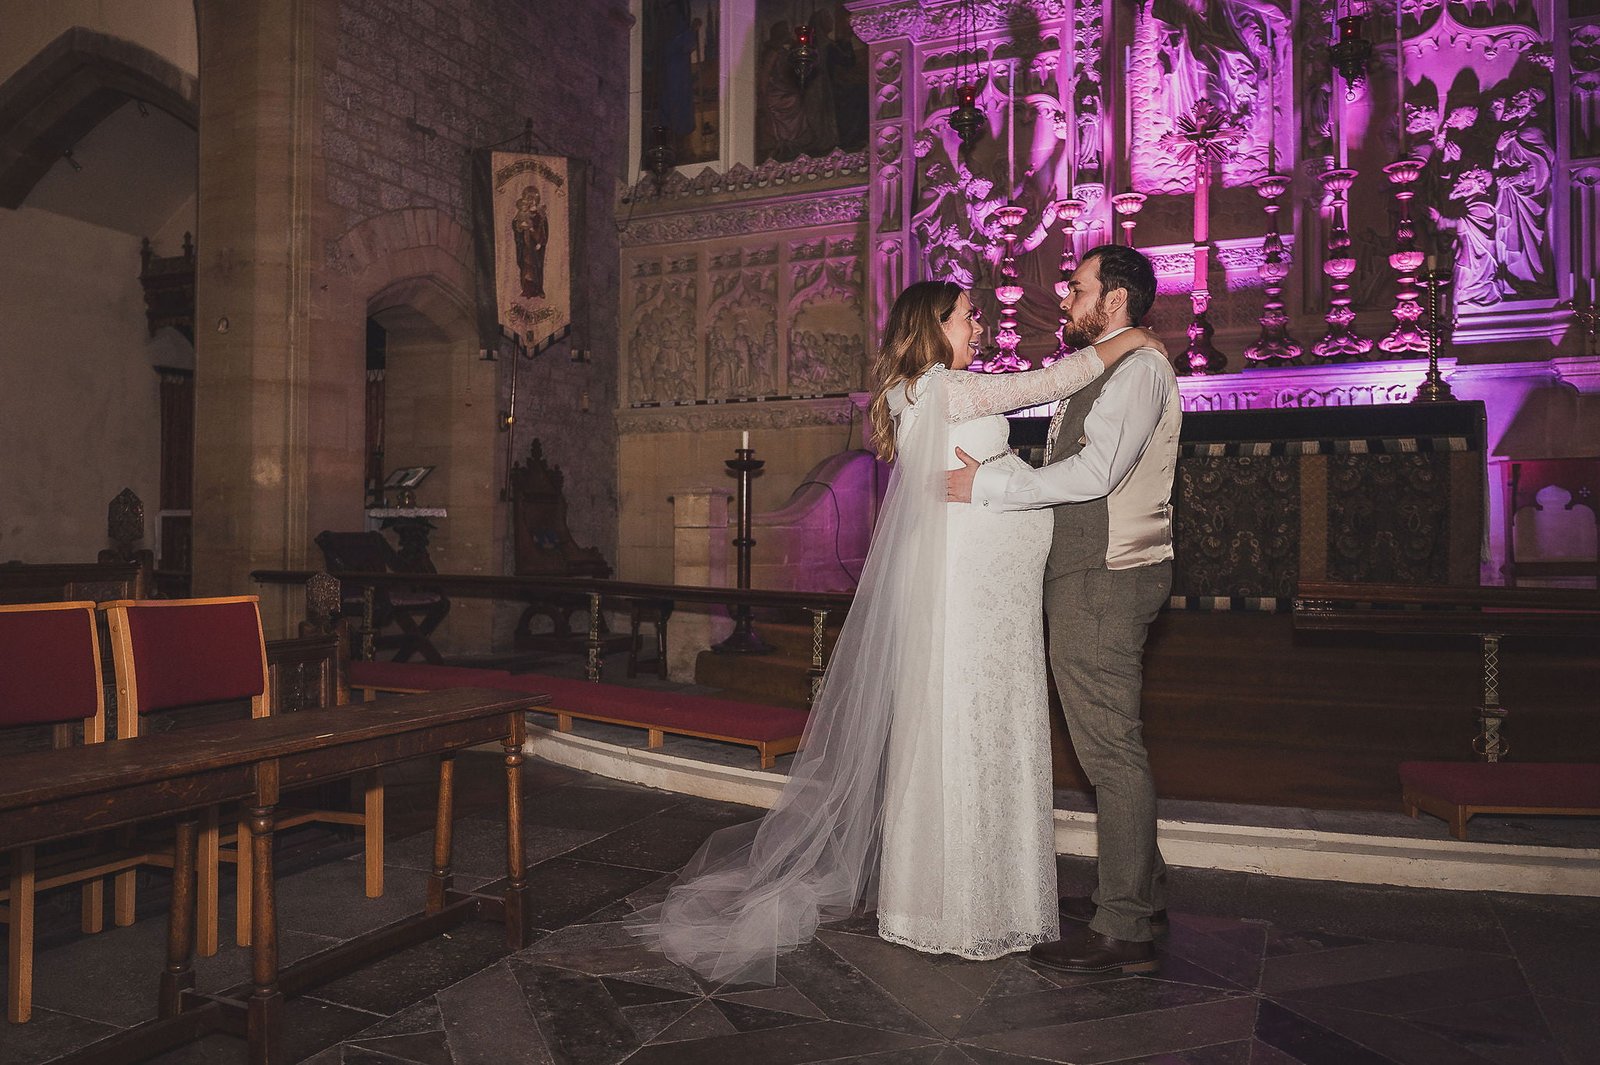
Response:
column 744, row 639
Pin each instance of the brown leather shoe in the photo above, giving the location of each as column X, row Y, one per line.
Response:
column 1091, row 952
column 1081, row 908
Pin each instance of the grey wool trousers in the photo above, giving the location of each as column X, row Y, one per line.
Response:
column 1099, row 619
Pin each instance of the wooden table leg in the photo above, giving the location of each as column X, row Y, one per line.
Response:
column 439, row 881
column 516, row 884
column 263, row 1022
column 178, row 976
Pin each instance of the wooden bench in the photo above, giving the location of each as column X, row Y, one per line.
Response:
column 771, row 730
column 1456, row 791
column 55, row 794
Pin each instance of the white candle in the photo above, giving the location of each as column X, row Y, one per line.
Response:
column 744, row 440
column 1338, row 121
column 1011, row 129
column 1335, row 95
column 1127, row 111
column 1400, row 71
column 1272, row 101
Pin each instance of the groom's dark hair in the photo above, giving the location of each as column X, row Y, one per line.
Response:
column 1127, row 269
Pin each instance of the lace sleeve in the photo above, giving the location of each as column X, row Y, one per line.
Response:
column 974, row 395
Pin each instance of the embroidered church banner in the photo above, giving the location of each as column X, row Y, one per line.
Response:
column 532, row 241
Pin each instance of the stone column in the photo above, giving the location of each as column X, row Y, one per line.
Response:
column 252, row 293
column 700, row 550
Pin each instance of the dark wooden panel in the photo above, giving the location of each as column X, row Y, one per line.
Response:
column 1239, row 708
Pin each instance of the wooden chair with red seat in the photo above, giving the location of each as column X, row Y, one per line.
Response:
column 49, row 677
column 177, row 653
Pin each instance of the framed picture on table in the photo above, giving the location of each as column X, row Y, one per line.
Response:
column 407, row 477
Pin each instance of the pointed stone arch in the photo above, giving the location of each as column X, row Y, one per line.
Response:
column 70, row 87
column 412, row 271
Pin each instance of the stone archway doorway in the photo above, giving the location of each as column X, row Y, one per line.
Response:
column 439, row 410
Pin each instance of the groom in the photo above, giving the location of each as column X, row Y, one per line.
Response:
column 1108, row 470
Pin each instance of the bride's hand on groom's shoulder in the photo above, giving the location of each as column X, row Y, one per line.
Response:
column 1150, row 340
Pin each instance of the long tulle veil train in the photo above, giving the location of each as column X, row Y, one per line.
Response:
column 757, row 890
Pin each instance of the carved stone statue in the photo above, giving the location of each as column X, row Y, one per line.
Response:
column 1523, row 162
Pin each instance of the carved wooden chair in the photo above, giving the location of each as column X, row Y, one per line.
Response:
column 417, row 612
column 1524, row 480
column 180, row 653
column 49, row 679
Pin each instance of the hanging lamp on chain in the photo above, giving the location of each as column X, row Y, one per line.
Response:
column 659, row 157
column 967, row 120
column 803, row 54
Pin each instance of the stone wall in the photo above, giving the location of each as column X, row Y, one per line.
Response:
column 407, row 88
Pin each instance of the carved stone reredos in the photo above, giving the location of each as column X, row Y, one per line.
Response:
column 837, row 170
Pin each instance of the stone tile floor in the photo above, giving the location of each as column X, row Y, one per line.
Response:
column 1256, row 970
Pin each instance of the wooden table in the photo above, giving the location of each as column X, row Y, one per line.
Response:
column 48, row 795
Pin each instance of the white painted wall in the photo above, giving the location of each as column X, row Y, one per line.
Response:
column 166, row 27
column 79, row 401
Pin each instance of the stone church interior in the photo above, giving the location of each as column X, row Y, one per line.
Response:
column 439, row 516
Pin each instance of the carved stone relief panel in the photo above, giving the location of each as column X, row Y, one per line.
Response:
column 1481, row 116
column 1227, row 54
column 890, row 152
column 889, row 94
column 742, row 317
column 1584, row 51
column 827, row 337
column 742, row 334
column 663, row 345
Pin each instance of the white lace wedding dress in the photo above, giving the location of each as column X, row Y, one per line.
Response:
column 933, row 809
column 972, row 872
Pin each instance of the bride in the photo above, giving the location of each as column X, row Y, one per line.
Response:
column 922, row 785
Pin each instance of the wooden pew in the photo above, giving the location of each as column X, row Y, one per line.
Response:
column 54, row 582
column 50, row 795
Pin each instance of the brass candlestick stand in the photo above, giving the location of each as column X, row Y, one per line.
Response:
column 1433, row 388
column 743, row 640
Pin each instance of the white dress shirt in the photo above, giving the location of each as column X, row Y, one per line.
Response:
column 1117, row 430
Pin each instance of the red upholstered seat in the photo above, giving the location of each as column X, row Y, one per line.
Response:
column 49, row 664
column 772, row 730
column 49, row 675
column 1457, row 791
column 673, row 711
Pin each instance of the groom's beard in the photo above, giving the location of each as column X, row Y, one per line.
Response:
column 1082, row 331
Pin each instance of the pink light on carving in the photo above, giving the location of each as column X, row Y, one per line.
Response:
column 1406, row 259
column 1009, row 292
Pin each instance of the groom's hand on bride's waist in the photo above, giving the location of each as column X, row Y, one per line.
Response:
column 958, row 483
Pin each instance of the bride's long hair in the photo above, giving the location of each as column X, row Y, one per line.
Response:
column 912, row 341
